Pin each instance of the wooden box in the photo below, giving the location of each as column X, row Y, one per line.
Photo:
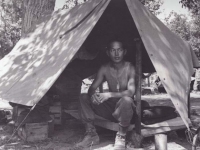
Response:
column 32, row 132
column 56, row 114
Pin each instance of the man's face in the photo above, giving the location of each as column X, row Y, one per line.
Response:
column 116, row 52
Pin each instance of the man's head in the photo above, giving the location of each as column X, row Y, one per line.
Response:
column 116, row 51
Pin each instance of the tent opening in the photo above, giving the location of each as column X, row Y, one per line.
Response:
column 116, row 23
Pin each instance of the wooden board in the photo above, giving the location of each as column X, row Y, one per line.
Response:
column 56, row 113
column 146, row 131
column 33, row 132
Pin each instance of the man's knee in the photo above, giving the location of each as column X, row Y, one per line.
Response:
column 124, row 111
column 127, row 100
column 127, row 103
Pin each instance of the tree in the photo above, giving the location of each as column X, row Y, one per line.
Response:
column 33, row 13
column 193, row 5
column 10, row 24
column 195, row 34
column 19, row 17
column 178, row 23
column 72, row 3
column 187, row 30
column 153, row 5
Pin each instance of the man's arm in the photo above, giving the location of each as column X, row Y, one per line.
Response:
column 97, row 81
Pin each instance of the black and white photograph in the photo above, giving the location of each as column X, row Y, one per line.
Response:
column 99, row 74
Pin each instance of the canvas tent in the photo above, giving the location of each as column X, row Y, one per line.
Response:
column 38, row 59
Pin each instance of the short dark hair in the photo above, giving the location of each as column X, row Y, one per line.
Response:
column 115, row 40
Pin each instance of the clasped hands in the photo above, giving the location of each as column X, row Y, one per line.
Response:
column 98, row 98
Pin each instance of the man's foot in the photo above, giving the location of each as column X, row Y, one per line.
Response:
column 91, row 138
column 120, row 142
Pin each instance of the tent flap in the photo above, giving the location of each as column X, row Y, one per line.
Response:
column 36, row 61
column 169, row 54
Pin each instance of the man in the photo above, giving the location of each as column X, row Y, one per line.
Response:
column 115, row 105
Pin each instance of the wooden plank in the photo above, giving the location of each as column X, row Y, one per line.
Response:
column 110, row 125
column 146, row 132
column 55, row 112
column 99, row 121
column 172, row 122
column 138, row 83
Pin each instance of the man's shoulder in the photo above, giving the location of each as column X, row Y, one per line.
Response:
column 129, row 64
column 104, row 66
column 131, row 68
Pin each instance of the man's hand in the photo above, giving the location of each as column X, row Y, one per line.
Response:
column 95, row 99
column 98, row 98
column 104, row 96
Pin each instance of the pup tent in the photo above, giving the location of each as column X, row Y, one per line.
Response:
column 38, row 59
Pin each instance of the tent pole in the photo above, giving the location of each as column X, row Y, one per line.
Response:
column 136, row 137
column 189, row 106
column 138, row 85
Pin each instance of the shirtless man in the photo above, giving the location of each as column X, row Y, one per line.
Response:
column 117, row 104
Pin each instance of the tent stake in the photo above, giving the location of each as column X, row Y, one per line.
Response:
column 21, row 123
column 138, row 85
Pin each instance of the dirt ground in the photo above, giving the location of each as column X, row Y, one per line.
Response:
column 65, row 137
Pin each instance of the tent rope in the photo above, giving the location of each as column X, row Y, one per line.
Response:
column 81, row 21
column 190, row 135
column 16, row 129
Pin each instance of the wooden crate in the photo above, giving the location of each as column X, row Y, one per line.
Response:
column 55, row 109
column 56, row 114
column 32, row 132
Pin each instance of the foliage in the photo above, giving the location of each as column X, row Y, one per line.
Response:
column 72, row 3
column 178, row 23
column 153, row 5
column 195, row 33
column 10, row 24
column 193, row 5
column 187, row 30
